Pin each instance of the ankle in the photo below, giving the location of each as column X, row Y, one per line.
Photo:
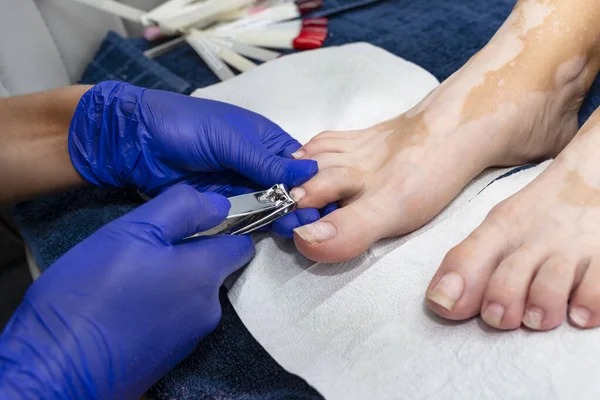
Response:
column 557, row 42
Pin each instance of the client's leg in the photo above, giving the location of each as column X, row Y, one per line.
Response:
column 515, row 101
column 533, row 250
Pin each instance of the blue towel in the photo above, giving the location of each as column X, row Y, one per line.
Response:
column 439, row 35
column 122, row 60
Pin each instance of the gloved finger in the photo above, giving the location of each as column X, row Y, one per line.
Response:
column 329, row 208
column 228, row 190
column 177, row 213
column 307, row 215
column 223, row 254
column 228, row 184
column 242, row 186
column 285, row 225
column 257, row 163
column 280, row 143
column 290, row 149
column 290, row 172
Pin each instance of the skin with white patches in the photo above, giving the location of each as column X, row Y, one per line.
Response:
column 516, row 101
column 535, row 260
column 532, row 14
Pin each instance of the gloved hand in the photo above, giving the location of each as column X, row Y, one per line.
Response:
column 122, row 135
column 123, row 307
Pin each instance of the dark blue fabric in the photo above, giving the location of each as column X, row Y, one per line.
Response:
column 439, row 35
column 122, row 60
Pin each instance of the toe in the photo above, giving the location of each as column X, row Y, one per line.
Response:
column 457, row 289
column 549, row 293
column 338, row 134
column 506, row 293
column 325, row 145
column 584, row 310
column 332, row 160
column 342, row 235
column 328, row 186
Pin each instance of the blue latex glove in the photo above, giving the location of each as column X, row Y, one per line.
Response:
column 123, row 307
column 122, row 135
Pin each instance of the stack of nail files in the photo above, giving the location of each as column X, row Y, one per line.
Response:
column 228, row 33
column 235, row 48
column 173, row 16
column 262, row 27
column 162, row 21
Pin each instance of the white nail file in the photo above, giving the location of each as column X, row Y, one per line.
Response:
column 199, row 14
column 272, row 15
column 204, row 49
column 256, row 8
column 232, row 58
column 119, row 9
column 266, row 38
column 164, row 10
column 165, row 47
column 256, row 53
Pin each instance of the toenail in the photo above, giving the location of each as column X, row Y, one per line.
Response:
column 493, row 314
column 299, row 154
column 297, row 193
column 533, row 318
column 447, row 291
column 317, row 232
column 580, row 316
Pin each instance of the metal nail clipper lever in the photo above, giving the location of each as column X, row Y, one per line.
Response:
column 252, row 211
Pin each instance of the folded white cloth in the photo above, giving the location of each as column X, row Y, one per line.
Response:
column 360, row 329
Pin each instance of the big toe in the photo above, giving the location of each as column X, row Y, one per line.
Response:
column 457, row 289
column 342, row 235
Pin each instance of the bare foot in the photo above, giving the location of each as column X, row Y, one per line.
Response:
column 515, row 101
column 534, row 250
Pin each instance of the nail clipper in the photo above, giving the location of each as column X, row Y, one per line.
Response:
column 252, row 211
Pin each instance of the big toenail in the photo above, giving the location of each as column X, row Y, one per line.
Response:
column 493, row 314
column 533, row 318
column 580, row 316
column 299, row 154
column 447, row 291
column 317, row 232
column 297, row 193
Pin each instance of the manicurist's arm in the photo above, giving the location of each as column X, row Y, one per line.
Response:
column 34, row 158
column 123, row 307
column 118, row 135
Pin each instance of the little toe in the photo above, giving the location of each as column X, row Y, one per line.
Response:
column 549, row 293
column 344, row 234
column 584, row 309
column 328, row 186
column 506, row 293
column 457, row 289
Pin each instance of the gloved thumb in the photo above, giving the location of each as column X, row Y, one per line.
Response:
column 267, row 169
column 177, row 213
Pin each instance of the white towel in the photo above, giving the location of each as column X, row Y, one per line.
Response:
column 360, row 329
